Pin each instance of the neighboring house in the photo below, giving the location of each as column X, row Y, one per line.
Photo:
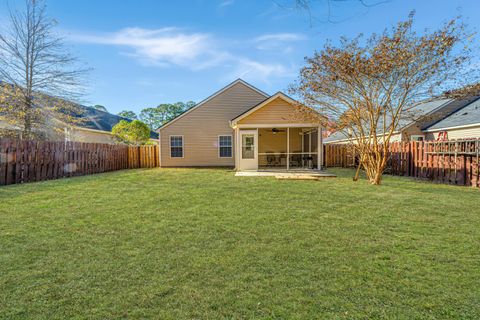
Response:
column 94, row 126
column 415, row 127
column 241, row 126
column 462, row 124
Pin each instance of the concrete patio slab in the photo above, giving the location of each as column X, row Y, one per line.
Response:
column 296, row 175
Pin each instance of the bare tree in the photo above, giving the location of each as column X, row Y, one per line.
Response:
column 327, row 8
column 369, row 87
column 37, row 72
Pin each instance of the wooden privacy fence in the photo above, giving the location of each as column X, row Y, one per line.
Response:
column 452, row 162
column 28, row 161
column 143, row 157
column 338, row 155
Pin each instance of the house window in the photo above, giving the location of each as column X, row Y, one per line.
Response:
column 417, row 137
column 176, row 146
column 225, row 146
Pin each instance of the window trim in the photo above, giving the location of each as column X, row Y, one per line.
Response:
column 231, row 146
column 170, row 146
column 416, row 136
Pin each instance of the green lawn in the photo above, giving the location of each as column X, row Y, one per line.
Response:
column 194, row 243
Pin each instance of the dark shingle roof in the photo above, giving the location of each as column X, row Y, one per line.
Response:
column 97, row 119
column 101, row 120
column 419, row 111
column 469, row 114
column 93, row 118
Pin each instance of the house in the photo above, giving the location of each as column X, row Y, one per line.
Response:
column 461, row 124
column 94, row 126
column 415, row 126
column 244, row 128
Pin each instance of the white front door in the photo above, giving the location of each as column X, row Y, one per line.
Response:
column 248, row 150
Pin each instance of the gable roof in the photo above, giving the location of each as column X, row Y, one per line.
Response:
column 336, row 136
column 425, row 109
column 100, row 120
column 263, row 103
column 468, row 115
column 211, row 97
column 97, row 119
column 425, row 112
column 92, row 119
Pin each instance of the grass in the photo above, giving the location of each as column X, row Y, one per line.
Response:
column 194, row 243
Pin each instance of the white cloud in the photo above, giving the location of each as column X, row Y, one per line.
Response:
column 158, row 46
column 283, row 37
column 264, row 72
column 196, row 51
column 226, row 3
column 277, row 41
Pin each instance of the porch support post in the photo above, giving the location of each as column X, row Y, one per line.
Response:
column 319, row 148
column 257, row 144
column 303, row 143
column 288, row 148
column 237, row 149
column 310, row 143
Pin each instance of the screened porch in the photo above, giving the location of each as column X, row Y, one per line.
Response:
column 288, row 148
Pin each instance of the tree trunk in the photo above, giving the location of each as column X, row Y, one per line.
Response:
column 377, row 178
column 374, row 169
column 376, row 172
column 27, row 120
column 357, row 173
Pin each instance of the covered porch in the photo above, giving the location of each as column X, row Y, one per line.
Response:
column 277, row 136
column 281, row 148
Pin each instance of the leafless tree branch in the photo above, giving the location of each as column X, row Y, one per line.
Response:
column 308, row 6
column 37, row 72
column 368, row 87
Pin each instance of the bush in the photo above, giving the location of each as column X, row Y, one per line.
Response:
column 133, row 133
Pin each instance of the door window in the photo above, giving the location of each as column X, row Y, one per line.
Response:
column 248, row 146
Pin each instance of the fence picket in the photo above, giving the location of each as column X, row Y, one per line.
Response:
column 451, row 162
column 28, row 161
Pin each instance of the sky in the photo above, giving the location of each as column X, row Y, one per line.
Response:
column 146, row 52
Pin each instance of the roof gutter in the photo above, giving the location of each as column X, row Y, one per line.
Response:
column 453, row 128
column 347, row 139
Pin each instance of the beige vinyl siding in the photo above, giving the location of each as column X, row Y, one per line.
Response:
column 473, row 132
column 397, row 137
column 80, row 135
column 465, row 133
column 277, row 111
column 201, row 127
column 76, row 134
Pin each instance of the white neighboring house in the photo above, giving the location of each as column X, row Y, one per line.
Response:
column 95, row 127
column 428, row 117
column 462, row 124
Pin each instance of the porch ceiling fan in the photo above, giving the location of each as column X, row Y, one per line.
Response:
column 275, row 130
